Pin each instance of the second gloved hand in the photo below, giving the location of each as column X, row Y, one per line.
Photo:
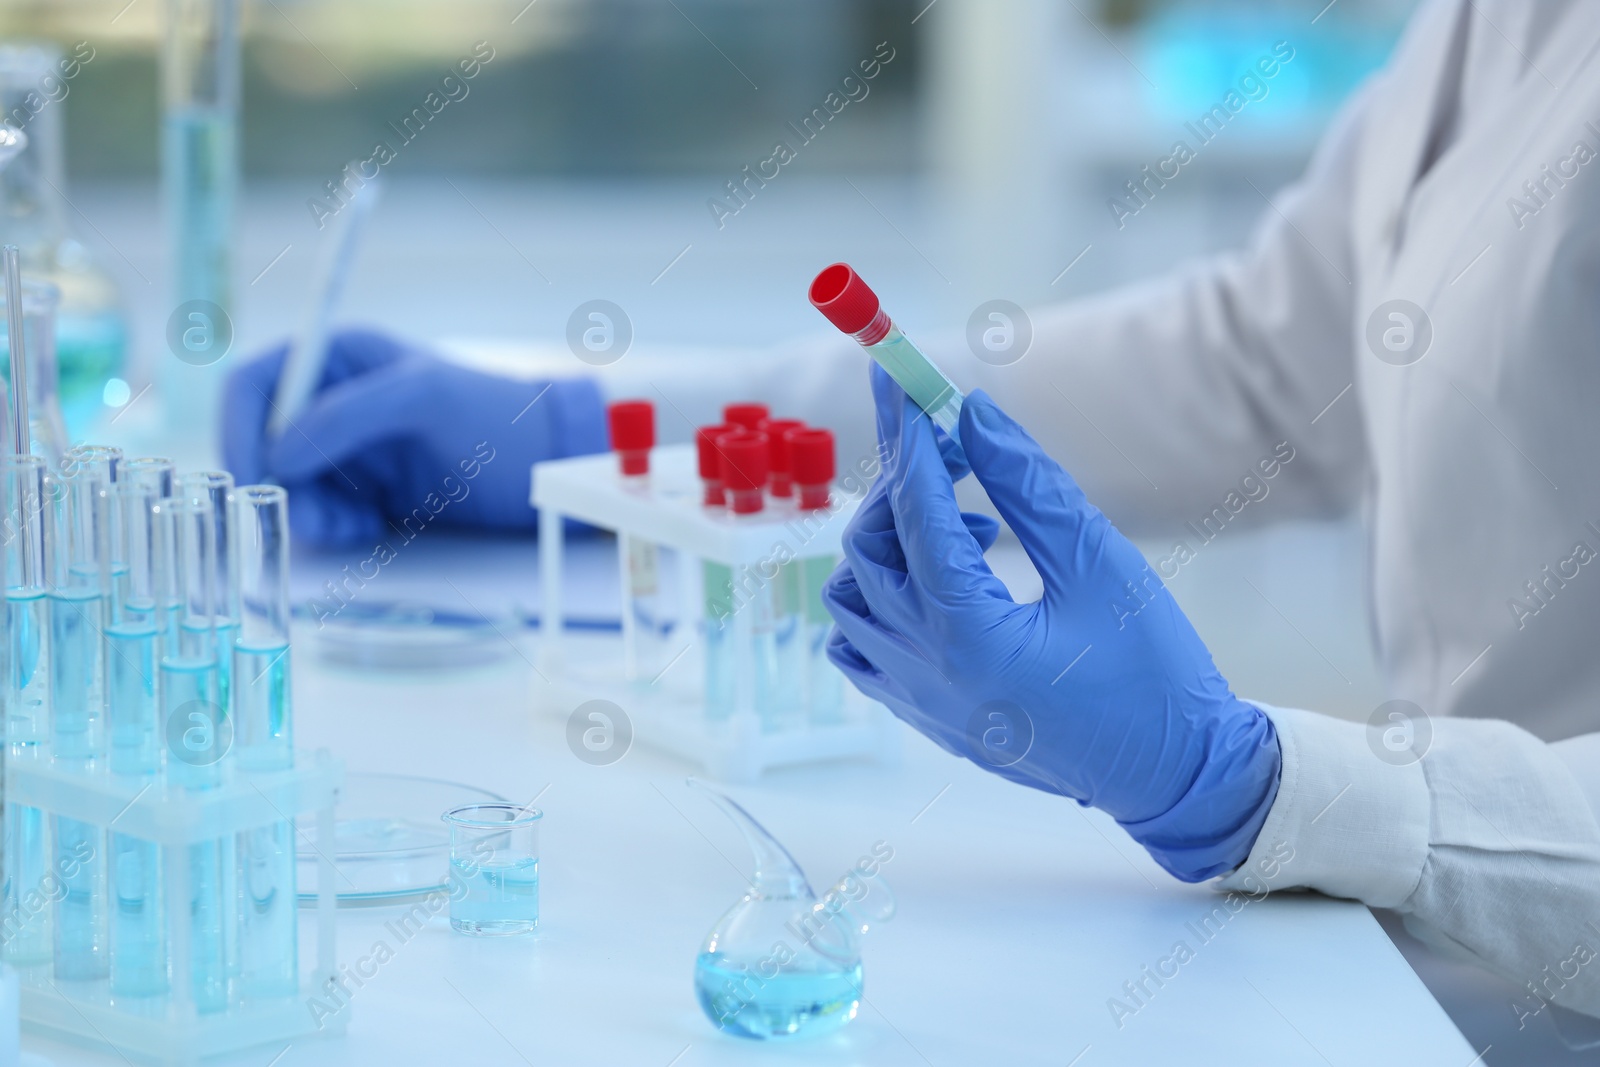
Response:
column 396, row 437
column 1101, row 691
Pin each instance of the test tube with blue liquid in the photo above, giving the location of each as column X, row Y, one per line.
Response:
column 812, row 462
column 847, row 302
column 744, row 479
column 79, row 548
column 133, row 713
column 716, row 585
column 28, row 856
column 788, row 627
column 633, row 434
column 200, row 154
column 268, row 931
column 197, row 729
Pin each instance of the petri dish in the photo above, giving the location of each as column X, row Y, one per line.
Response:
column 413, row 637
column 389, row 845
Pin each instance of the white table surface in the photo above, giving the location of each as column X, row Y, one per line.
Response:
column 1020, row 916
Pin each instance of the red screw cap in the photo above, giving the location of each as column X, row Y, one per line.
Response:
column 744, row 469
column 633, row 433
column 710, row 461
column 848, row 302
column 746, row 416
column 811, row 463
column 778, row 453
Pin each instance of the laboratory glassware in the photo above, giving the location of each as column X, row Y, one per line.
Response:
column 744, row 479
column 812, row 457
column 217, row 488
column 716, row 583
column 788, row 627
column 781, row 963
column 91, row 329
column 138, row 943
column 494, row 869
column 263, row 717
column 780, row 479
column 633, row 434
column 196, row 727
column 28, row 856
column 78, row 546
column 47, row 430
column 200, row 167
column 847, row 302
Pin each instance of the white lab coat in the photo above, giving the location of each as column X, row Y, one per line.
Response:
column 1477, row 466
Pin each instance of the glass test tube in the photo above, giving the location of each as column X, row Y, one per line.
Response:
column 716, row 585
column 263, row 716
column 813, row 461
column 196, row 728
column 79, row 549
column 47, row 430
column 200, row 165
column 26, row 924
column 633, row 435
column 133, row 714
column 847, row 302
column 788, row 628
column 744, row 478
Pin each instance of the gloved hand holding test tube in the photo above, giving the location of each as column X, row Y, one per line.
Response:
column 850, row 304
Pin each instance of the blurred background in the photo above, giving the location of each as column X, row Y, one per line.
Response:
column 588, row 153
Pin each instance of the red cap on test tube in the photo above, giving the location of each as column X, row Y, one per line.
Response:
column 705, row 443
column 777, row 431
column 812, row 464
column 633, row 434
column 744, row 470
column 849, row 303
column 746, row 416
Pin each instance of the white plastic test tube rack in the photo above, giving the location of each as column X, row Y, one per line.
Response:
column 169, row 1028
column 668, row 712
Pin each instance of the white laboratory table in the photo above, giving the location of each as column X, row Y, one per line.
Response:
column 1021, row 915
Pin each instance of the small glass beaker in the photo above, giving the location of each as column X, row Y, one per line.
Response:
column 494, row 869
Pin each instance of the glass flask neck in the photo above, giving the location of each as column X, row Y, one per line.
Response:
column 776, row 875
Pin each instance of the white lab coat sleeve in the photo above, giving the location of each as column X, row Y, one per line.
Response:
column 1489, row 845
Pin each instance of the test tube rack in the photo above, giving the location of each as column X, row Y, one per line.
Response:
column 668, row 713
column 170, row 1029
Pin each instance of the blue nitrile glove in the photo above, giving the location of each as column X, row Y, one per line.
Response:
column 1101, row 691
column 396, row 439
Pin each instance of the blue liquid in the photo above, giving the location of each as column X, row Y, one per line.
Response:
column 200, row 171
column 193, row 726
column 138, row 919
column 269, row 941
column 226, row 630
column 207, row 938
column 90, row 346
column 27, row 629
column 132, row 710
column 261, row 708
column 77, row 673
column 82, row 929
column 793, row 1003
column 29, row 893
column 500, row 899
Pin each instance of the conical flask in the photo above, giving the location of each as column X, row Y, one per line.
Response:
column 780, row 963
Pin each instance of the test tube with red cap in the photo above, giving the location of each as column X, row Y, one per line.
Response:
column 812, row 462
column 745, row 460
column 779, row 481
column 716, row 582
column 851, row 305
column 644, row 627
column 745, row 415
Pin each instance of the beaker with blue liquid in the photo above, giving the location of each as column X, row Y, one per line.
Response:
column 494, row 869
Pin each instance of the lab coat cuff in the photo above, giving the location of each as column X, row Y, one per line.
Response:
column 1348, row 821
